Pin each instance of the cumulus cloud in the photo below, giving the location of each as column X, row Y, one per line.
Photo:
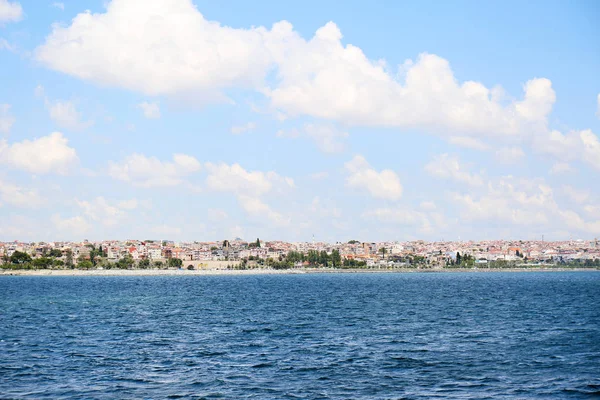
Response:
column 4, row 45
column 254, row 206
column 47, row 154
column 216, row 214
column 522, row 202
column 74, row 226
column 419, row 220
column 509, row 155
column 63, row 112
column 166, row 230
column 319, row 77
column 239, row 129
column 578, row 196
column 383, row 185
column 150, row 110
column 18, row 196
column 10, row 11
column 182, row 51
column 326, row 136
column 248, row 187
column 148, row 172
column 102, row 211
column 575, row 145
column 233, row 178
column 6, row 118
column 186, row 55
column 469, row 142
column 561, row 168
column 449, row 167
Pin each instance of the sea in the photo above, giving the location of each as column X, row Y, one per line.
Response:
column 302, row 336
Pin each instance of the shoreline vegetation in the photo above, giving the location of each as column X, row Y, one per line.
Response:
column 268, row 271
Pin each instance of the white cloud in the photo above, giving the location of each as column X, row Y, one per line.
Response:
column 317, row 176
column 514, row 202
column 216, row 214
column 326, row 136
column 236, row 130
column 65, row 114
column 18, row 196
column 101, row 211
column 147, row 172
column 382, row 185
column 256, row 207
column 575, row 145
column 166, row 230
column 323, row 78
column 406, row 217
column 324, row 209
column 73, row 226
column 150, row 110
column 449, row 167
column 578, row 196
column 592, row 210
column 319, row 77
column 428, row 205
column 41, row 155
column 233, row 178
column 60, row 6
column 130, row 204
column 10, row 11
column 182, row 51
column 4, row 45
column 561, row 167
column 6, row 118
column 509, row 155
column 469, row 142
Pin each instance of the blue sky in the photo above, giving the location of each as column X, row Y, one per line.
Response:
column 198, row 120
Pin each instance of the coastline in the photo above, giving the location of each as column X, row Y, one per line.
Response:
column 209, row 272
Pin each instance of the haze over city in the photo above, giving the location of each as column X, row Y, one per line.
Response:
column 184, row 120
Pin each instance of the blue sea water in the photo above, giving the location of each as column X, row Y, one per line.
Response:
column 311, row 336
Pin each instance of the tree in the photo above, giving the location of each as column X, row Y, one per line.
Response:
column 69, row 259
column 225, row 243
column 174, row 263
column 145, row 263
column 383, row 251
column 42, row 262
column 458, row 258
column 353, row 242
column 257, row 242
column 125, row 262
column 20, row 258
column 55, row 253
column 336, row 258
column 85, row 264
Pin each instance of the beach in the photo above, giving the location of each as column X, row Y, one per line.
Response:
column 264, row 271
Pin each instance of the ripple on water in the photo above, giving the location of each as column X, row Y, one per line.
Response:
column 360, row 336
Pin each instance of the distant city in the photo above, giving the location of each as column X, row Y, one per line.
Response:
column 256, row 254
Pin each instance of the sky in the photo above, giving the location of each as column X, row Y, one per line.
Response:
column 380, row 121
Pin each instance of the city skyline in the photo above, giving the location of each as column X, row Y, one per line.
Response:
column 185, row 120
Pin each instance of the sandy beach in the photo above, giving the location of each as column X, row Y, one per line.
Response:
column 205, row 272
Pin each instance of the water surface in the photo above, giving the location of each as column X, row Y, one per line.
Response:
column 315, row 336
